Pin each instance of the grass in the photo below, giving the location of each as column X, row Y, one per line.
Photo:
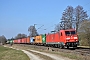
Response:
column 63, row 54
column 11, row 54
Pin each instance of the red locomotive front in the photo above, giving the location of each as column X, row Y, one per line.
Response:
column 71, row 38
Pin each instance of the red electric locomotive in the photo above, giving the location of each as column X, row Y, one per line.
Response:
column 68, row 38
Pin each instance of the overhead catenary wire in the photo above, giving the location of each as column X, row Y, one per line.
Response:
column 47, row 28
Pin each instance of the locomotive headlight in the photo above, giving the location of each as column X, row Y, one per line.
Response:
column 75, row 37
column 67, row 38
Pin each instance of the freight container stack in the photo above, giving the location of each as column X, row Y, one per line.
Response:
column 25, row 40
column 44, row 38
column 11, row 41
column 22, row 40
column 28, row 40
column 15, row 41
column 7, row 42
column 38, row 39
column 32, row 40
column 19, row 41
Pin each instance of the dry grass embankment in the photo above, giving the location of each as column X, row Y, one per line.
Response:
column 12, row 54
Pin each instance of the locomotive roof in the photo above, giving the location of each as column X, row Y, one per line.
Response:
column 70, row 30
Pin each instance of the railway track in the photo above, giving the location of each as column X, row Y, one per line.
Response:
column 83, row 51
column 79, row 50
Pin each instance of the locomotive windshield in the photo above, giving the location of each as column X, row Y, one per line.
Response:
column 73, row 32
column 70, row 32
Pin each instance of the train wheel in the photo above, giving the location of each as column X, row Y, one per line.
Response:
column 61, row 46
column 75, row 46
column 67, row 47
column 56, row 45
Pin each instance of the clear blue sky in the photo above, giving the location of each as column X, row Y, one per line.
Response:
column 17, row 15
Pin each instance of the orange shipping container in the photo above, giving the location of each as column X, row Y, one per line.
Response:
column 22, row 40
column 19, row 40
column 38, row 39
column 15, row 41
column 25, row 40
column 28, row 39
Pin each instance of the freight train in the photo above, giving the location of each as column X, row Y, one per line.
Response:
column 63, row 38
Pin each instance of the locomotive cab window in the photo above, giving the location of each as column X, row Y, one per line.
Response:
column 70, row 32
column 73, row 32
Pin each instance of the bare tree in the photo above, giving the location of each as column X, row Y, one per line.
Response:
column 60, row 26
column 57, row 27
column 85, row 32
column 71, row 18
column 80, row 15
column 68, row 17
column 33, row 31
column 20, row 36
column 3, row 39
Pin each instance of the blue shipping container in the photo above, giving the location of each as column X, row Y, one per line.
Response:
column 32, row 39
